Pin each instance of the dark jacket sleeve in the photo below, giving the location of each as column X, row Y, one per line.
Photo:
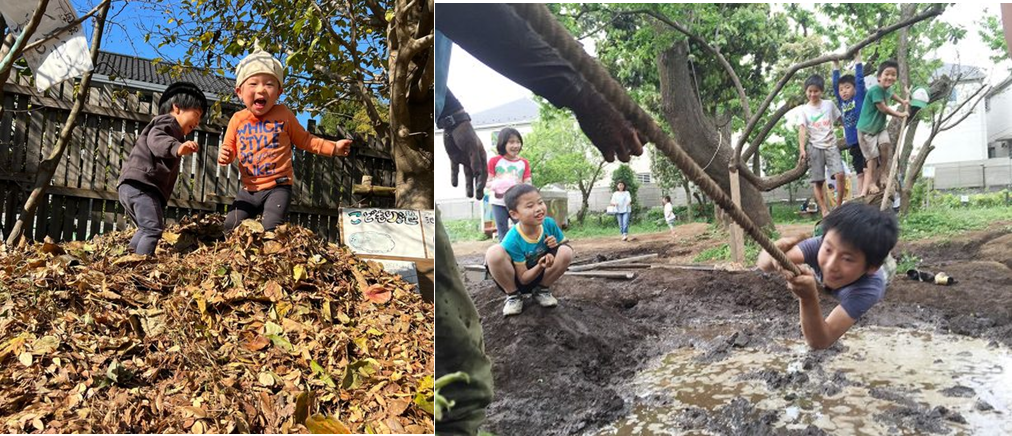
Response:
column 162, row 138
column 499, row 38
column 451, row 105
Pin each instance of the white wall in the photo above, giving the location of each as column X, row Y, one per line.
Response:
column 965, row 142
column 999, row 117
column 639, row 164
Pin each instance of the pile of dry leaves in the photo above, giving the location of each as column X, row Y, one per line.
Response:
column 263, row 332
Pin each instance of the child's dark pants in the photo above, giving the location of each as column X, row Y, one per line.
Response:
column 145, row 207
column 273, row 203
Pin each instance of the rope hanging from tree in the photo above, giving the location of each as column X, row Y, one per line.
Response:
column 541, row 21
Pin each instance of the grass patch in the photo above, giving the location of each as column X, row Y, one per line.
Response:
column 948, row 221
column 938, row 221
column 463, row 230
column 722, row 253
column 906, row 262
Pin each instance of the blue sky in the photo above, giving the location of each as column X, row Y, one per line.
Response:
column 125, row 33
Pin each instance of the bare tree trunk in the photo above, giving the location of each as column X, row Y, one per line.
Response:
column 584, row 201
column 410, row 42
column 688, row 197
column 48, row 166
column 899, row 144
column 913, row 172
column 689, row 125
column 586, row 189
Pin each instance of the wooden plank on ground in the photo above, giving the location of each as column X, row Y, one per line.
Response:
column 591, row 266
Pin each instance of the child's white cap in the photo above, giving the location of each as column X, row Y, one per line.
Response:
column 258, row 62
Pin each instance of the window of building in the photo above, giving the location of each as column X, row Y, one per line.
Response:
column 644, row 178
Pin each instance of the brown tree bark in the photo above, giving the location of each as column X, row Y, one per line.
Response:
column 690, row 125
column 410, row 40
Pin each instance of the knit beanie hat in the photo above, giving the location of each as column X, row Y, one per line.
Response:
column 258, row 62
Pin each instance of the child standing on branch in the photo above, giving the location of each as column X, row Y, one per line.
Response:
column 872, row 134
column 817, row 141
column 850, row 92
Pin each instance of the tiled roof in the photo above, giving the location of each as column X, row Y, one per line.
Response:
column 142, row 70
column 514, row 112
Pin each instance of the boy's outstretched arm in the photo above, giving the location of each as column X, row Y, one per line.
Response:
column 788, row 245
column 900, row 100
column 836, row 80
column 819, row 333
column 886, row 109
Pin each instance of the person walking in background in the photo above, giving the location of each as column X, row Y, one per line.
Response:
column 505, row 171
column 622, row 202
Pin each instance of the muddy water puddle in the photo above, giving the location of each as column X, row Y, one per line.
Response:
column 876, row 381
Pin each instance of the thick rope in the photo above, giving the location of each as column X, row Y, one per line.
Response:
column 542, row 22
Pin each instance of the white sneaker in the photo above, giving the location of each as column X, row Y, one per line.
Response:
column 514, row 305
column 544, row 297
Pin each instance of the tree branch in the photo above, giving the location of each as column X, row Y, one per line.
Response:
column 791, row 103
column 772, row 182
column 48, row 166
column 933, row 11
column 357, row 84
column 968, row 111
column 26, row 33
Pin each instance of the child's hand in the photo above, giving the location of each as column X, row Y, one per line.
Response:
column 803, row 156
column 547, row 261
column 343, row 147
column 225, row 155
column 903, row 114
column 766, row 262
column 803, row 286
column 188, row 147
column 551, row 242
column 857, row 57
column 836, row 64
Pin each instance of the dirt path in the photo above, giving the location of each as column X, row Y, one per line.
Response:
column 577, row 368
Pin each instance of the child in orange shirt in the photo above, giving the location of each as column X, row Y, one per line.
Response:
column 261, row 137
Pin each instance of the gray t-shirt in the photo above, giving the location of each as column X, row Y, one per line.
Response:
column 856, row 298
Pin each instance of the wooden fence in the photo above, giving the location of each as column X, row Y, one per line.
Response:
column 82, row 202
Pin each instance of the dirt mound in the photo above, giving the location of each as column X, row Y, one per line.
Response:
column 567, row 370
column 263, row 332
column 998, row 249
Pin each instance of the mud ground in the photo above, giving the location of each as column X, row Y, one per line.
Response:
column 567, row 370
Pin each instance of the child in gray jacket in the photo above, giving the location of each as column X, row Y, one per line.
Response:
column 150, row 173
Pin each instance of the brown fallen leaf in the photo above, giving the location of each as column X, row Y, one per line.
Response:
column 272, row 290
column 50, row 247
column 198, row 412
column 378, row 294
column 130, row 258
column 256, row 344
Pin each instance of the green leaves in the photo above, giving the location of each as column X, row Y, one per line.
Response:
column 322, row 374
column 357, row 372
column 295, row 32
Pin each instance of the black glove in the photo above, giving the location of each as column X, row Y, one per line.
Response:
column 606, row 128
column 465, row 149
